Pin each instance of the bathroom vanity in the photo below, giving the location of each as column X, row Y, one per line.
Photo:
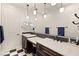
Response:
column 46, row 45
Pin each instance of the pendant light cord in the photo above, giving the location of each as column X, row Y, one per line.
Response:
column 35, row 8
column 44, row 8
column 61, row 4
column 27, row 9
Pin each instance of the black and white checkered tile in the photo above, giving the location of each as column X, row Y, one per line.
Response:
column 15, row 52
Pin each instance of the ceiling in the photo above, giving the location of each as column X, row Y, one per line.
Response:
column 31, row 5
column 40, row 6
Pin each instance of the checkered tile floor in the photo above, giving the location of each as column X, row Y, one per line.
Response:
column 15, row 52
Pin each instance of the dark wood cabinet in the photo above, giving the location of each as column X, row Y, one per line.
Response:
column 24, row 43
column 27, row 45
column 37, row 49
column 44, row 51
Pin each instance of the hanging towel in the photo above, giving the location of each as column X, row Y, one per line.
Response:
column 46, row 30
column 60, row 31
column 1, row 34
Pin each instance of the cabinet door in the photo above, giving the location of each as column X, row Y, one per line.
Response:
column 29, row 47
column 24, row 43
column 44, row 51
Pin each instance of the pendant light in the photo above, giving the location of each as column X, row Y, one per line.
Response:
column 44, row 15
column 36, row 17
column 35, row 10
column 27, row 17
column 61, row 9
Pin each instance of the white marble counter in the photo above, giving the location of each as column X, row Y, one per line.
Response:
column 35, row 39
column 28, row 35
column 63, row 48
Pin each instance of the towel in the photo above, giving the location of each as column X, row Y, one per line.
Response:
column 46, row 30
column 61, row 31
column 1, row 34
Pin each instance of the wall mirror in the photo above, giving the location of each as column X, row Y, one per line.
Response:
column 28, row 26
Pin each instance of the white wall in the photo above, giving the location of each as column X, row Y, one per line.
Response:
column 0, row 24
column 0, row 14
column 55, row 19
column 11, row 21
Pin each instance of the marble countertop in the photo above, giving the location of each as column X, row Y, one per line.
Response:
column 63, row 48
column 29, row 35
column 35, row 39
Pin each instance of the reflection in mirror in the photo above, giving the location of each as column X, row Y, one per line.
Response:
column 28, row 27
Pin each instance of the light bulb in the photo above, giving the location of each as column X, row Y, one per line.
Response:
column 44, row 15
column 52, row 4
column 27, row 24
column 61, row 10
column 27, row 17
column 34, row 12
column 35, row 19
column 31, row 24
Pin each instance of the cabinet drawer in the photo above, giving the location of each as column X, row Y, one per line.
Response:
column 46, row 51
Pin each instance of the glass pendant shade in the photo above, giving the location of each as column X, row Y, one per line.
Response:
column 34, row 12
column 27, row 17
column 45, row 15
column 61, row 9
